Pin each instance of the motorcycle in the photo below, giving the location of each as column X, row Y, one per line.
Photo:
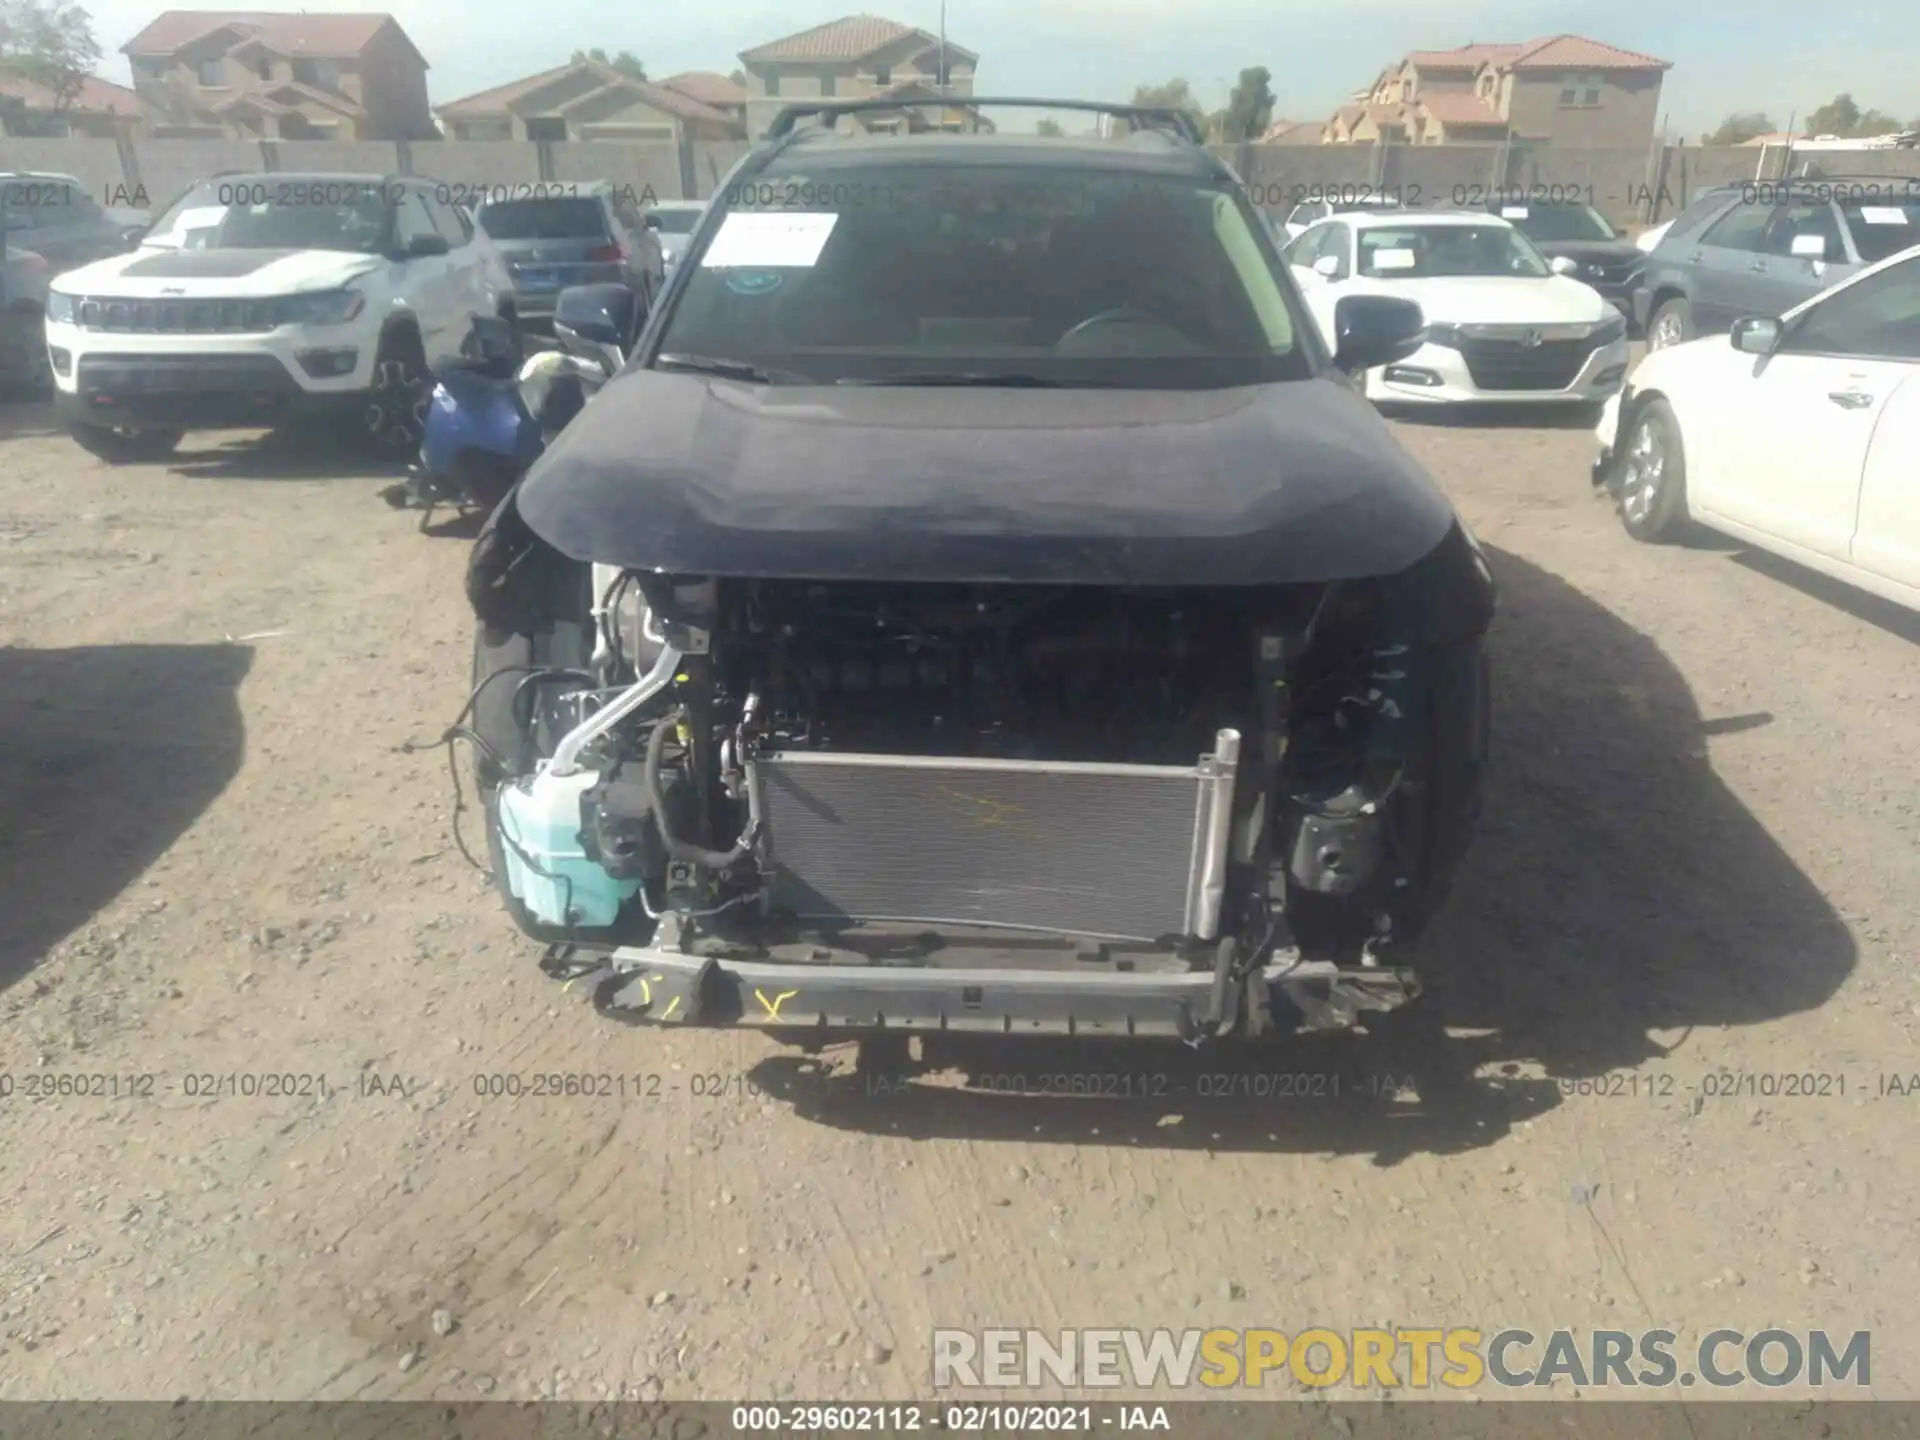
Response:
column 495, row 410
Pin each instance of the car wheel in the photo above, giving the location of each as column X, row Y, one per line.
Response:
column 1651, row 475
column 1672, row 324
column 25, row 360
column 126, row 444
column 396, row 408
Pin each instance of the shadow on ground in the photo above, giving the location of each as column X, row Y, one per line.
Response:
column 107, row 755
column 294, row 453
column 1892, row 618
column 27, row 419
column 1617, row 895
column 1487, row 416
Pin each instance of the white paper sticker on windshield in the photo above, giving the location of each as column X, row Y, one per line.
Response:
column 1392, row 259
column 772, row 239
column 1883, row 215
column 1514, row 212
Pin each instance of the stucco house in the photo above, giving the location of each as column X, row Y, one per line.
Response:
column 258, row 76
column 863, row 57
column 585, row 100
column 719, row 92
column 1563, row 90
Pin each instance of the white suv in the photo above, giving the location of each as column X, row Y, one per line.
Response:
column 257, row 300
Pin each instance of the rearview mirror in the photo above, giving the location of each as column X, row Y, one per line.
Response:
column 1376, row 330
column 1810, row 247
column 1756, row 335
column 651, row 220
column 1564, row 265
column 1327, row 266
column 424, row 245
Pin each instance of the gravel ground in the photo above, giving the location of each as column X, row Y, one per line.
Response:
column 219, row 861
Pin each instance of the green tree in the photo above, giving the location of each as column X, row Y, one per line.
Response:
column 1842, row 116
column 1738, row 129
column 1050, row 127
column 51, row 43
column 626, row 62
column 1249, row 107
column 1174, row 95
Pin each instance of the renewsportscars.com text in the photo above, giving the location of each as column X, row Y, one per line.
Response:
column 1416, row 1359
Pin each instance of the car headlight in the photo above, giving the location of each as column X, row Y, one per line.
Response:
column 1613, row 328
column 1444, row 334
column 325, row 307
column 59, row 307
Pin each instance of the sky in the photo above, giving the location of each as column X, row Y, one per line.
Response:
column 1768, row 55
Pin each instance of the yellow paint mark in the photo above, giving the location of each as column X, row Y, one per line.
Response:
column 772, row 1007
column 667, row 1014
column 990, row 812
column 646, row 991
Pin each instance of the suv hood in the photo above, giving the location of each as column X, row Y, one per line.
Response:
column 1272, row 484
column 153, row 272
column 1503, row 300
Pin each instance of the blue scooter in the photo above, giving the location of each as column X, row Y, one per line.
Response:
column 494, row 411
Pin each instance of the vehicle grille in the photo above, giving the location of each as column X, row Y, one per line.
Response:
column 1097, row 850
column 1511, row 365
column 254, row 316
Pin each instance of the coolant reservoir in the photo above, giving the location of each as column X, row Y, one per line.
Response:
column 547, row 868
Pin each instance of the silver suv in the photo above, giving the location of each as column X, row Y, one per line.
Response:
column 561, row 234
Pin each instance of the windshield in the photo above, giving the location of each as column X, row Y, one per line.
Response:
column 1882, row 229
column 1422, row 252
column 934, row 272
column 242, row 214
column 561, row 217
column 1550, row 223
column 677, row 222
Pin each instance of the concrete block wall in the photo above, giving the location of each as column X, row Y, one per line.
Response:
column 1623, row 184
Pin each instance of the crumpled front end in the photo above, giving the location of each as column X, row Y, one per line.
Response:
column 856, row 805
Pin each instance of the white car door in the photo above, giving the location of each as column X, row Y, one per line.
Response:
column 1322, row 261
column 1886, row 540
column 1785, row 449
column 427, row 282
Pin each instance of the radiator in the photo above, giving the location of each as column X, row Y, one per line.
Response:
column 1132, row 852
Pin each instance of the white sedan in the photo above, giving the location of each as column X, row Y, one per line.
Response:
column 1504, row 323
column 1799, row 435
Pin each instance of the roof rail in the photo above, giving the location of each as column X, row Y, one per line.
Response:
column 1162, row 117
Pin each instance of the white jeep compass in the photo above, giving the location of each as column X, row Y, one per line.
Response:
column 258, row 300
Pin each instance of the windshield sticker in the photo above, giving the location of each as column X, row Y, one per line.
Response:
column 1883, row 215
column 789, row 239
column 1514, row 212
column 1392, row 259
column 754, row 282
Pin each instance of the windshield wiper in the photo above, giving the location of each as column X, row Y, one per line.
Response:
column 1009, row 379
column 710, row 365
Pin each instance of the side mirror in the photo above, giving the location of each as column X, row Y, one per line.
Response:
column 1810, row 247
column 1756, row 335
column 1376, row 330
column 422, row 246
column 603, row 314
column 1564, row 265
column 1327, row 266
column 491, row 340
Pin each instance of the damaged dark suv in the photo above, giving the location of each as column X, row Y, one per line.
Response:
column 983, row 604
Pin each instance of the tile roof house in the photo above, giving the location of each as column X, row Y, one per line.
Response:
column 256, row 75
column 1563, row 90
column 1290, row 132
column 586, row 100
column 712, row 89
column 861, row 57
column 100, row 108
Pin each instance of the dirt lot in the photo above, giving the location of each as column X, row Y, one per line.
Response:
column 218, row 861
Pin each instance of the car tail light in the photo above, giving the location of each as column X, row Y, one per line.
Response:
column 607, row 255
